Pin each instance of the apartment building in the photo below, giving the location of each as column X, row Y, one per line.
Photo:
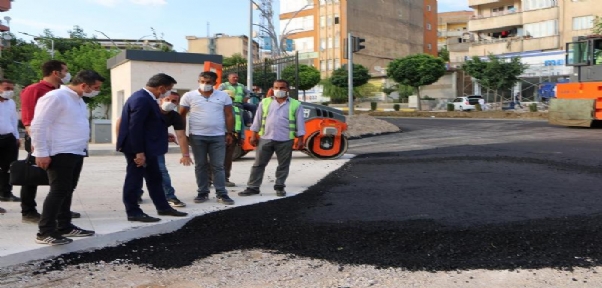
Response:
column 453, row 34
column 392, row 29
column 222, row 44
column 5, row 5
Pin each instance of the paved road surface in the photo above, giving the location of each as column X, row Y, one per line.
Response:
column 445, row 194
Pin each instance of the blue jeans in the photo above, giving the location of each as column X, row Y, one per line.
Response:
column 170, row 192
column 215, row 148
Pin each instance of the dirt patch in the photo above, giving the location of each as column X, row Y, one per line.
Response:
column 363, row 125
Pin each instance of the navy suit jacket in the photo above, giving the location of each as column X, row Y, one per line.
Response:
column 142, row 128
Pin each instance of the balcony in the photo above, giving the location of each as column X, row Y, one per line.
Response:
column 498, row 22
column 450, row 33
column 496, row 46
column 473, row 3
column 4, row 28
column 4, row 5
column 542, row 43
column 458, row 47
column 540, row 15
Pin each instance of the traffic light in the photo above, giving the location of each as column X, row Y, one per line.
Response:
column 357, row 44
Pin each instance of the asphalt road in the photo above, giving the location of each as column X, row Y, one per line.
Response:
column 445, row 194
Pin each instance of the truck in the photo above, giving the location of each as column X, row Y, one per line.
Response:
column 579, row 101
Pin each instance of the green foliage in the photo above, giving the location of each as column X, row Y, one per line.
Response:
column 478, row 107
column 365, row 90
column 495, row 73
column 533, row 107
column 233, row 60
column 597, row 26
column 373, row 106
column 416, row 70
column 15, row 61
column 361, row 76
column 450, row 107
column 427, row 97
column 444, row 54
column 309, row 76
column 396, row 107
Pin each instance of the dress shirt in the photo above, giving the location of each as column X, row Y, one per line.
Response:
column 276, row 124
column 8, row 118
column 60, row 125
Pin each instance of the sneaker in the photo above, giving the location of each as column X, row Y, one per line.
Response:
column 280, row 192
column 201, row 198
column 2, row 210
column 10, row 198
column 171, row 212
column 230, row 184
column 175, row 202
column 225, row 199
column 75, row 231
column 249, row 191
column 52, row 240
column 33, row 218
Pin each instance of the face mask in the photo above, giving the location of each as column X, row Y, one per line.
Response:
column 91, row 94
column 67, row 78
column 206, row 87
column 168, row 106
column 7, row 94
column 280, row 93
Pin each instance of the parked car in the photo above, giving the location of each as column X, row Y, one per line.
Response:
column 465, row 103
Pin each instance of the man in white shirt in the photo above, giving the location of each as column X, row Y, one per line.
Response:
column 9, row 138
column 60, row 133
column 211, row 128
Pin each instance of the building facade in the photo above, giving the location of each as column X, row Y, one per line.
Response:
column 222, row 44
column 430, row 22
column 453, row 34
column 392, row 29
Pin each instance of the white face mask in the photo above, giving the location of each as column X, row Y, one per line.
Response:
column 168, row 106
column 91, row 94
column 279, row 93
column 205, row 87
column 8, row 94
column 67, row 78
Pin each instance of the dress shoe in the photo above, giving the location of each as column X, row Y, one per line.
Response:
column 172, row 212
column 2, row 210
column 10, row 198
column 75, row 215
column 143, row 218
column 33, row 218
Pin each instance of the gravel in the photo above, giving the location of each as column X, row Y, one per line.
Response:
column 363, row 125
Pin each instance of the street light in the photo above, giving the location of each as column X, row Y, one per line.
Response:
column 108, row 38
column 39, row 37
column 250, row 47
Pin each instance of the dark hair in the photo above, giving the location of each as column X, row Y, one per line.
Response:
column 7, row 81
column 283, row 81
column 233, row 73
column 208, row 75
column 160, row 79
column 175, row 93
column 88, row 77
column 51, row 66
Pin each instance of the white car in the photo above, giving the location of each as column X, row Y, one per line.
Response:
column 465, row 103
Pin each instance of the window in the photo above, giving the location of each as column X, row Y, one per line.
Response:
column 428, row 7
column 577, row 53
column 429, row 46
column 322, row 65
column 583, row 22
column 337, row 42
column 329, row 20
column 337, row 63
column 428, row 26
column 322, row 43
column 330, row 42
column 538, row 4
column 322, row 21
column 541, row 29
column 330, row 66
column 336, row 19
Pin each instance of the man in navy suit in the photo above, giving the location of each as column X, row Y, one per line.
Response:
column 142, row 138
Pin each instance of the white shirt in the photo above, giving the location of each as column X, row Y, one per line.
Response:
column 9, row 120
column 60, row 124
column 207, row 116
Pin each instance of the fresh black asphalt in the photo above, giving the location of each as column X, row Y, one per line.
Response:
column 521, row 204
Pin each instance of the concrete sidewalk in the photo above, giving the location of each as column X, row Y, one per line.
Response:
column 98, row 198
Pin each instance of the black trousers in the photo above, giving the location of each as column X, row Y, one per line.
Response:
column 9, row 152
column 133, row 185
column 28, row 193
column 63, row 173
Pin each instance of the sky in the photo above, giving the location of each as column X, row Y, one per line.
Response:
column 173, row 20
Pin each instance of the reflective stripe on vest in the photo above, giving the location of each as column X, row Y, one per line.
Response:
column 239, row 92
column 292, row 113
column 238, row 121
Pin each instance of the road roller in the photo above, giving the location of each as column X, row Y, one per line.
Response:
column 324, row 133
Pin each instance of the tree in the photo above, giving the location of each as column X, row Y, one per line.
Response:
column 495, row 73
column 233, row 60
column 309, row 77
column 416, row 71
column 339, row 77
column 444, row 54
column 14, row 61
column 597, row 26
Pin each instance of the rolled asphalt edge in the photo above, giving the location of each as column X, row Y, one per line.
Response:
column 168, row 224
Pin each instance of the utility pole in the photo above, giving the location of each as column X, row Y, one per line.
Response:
column 250, row 49
column 350, row 72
